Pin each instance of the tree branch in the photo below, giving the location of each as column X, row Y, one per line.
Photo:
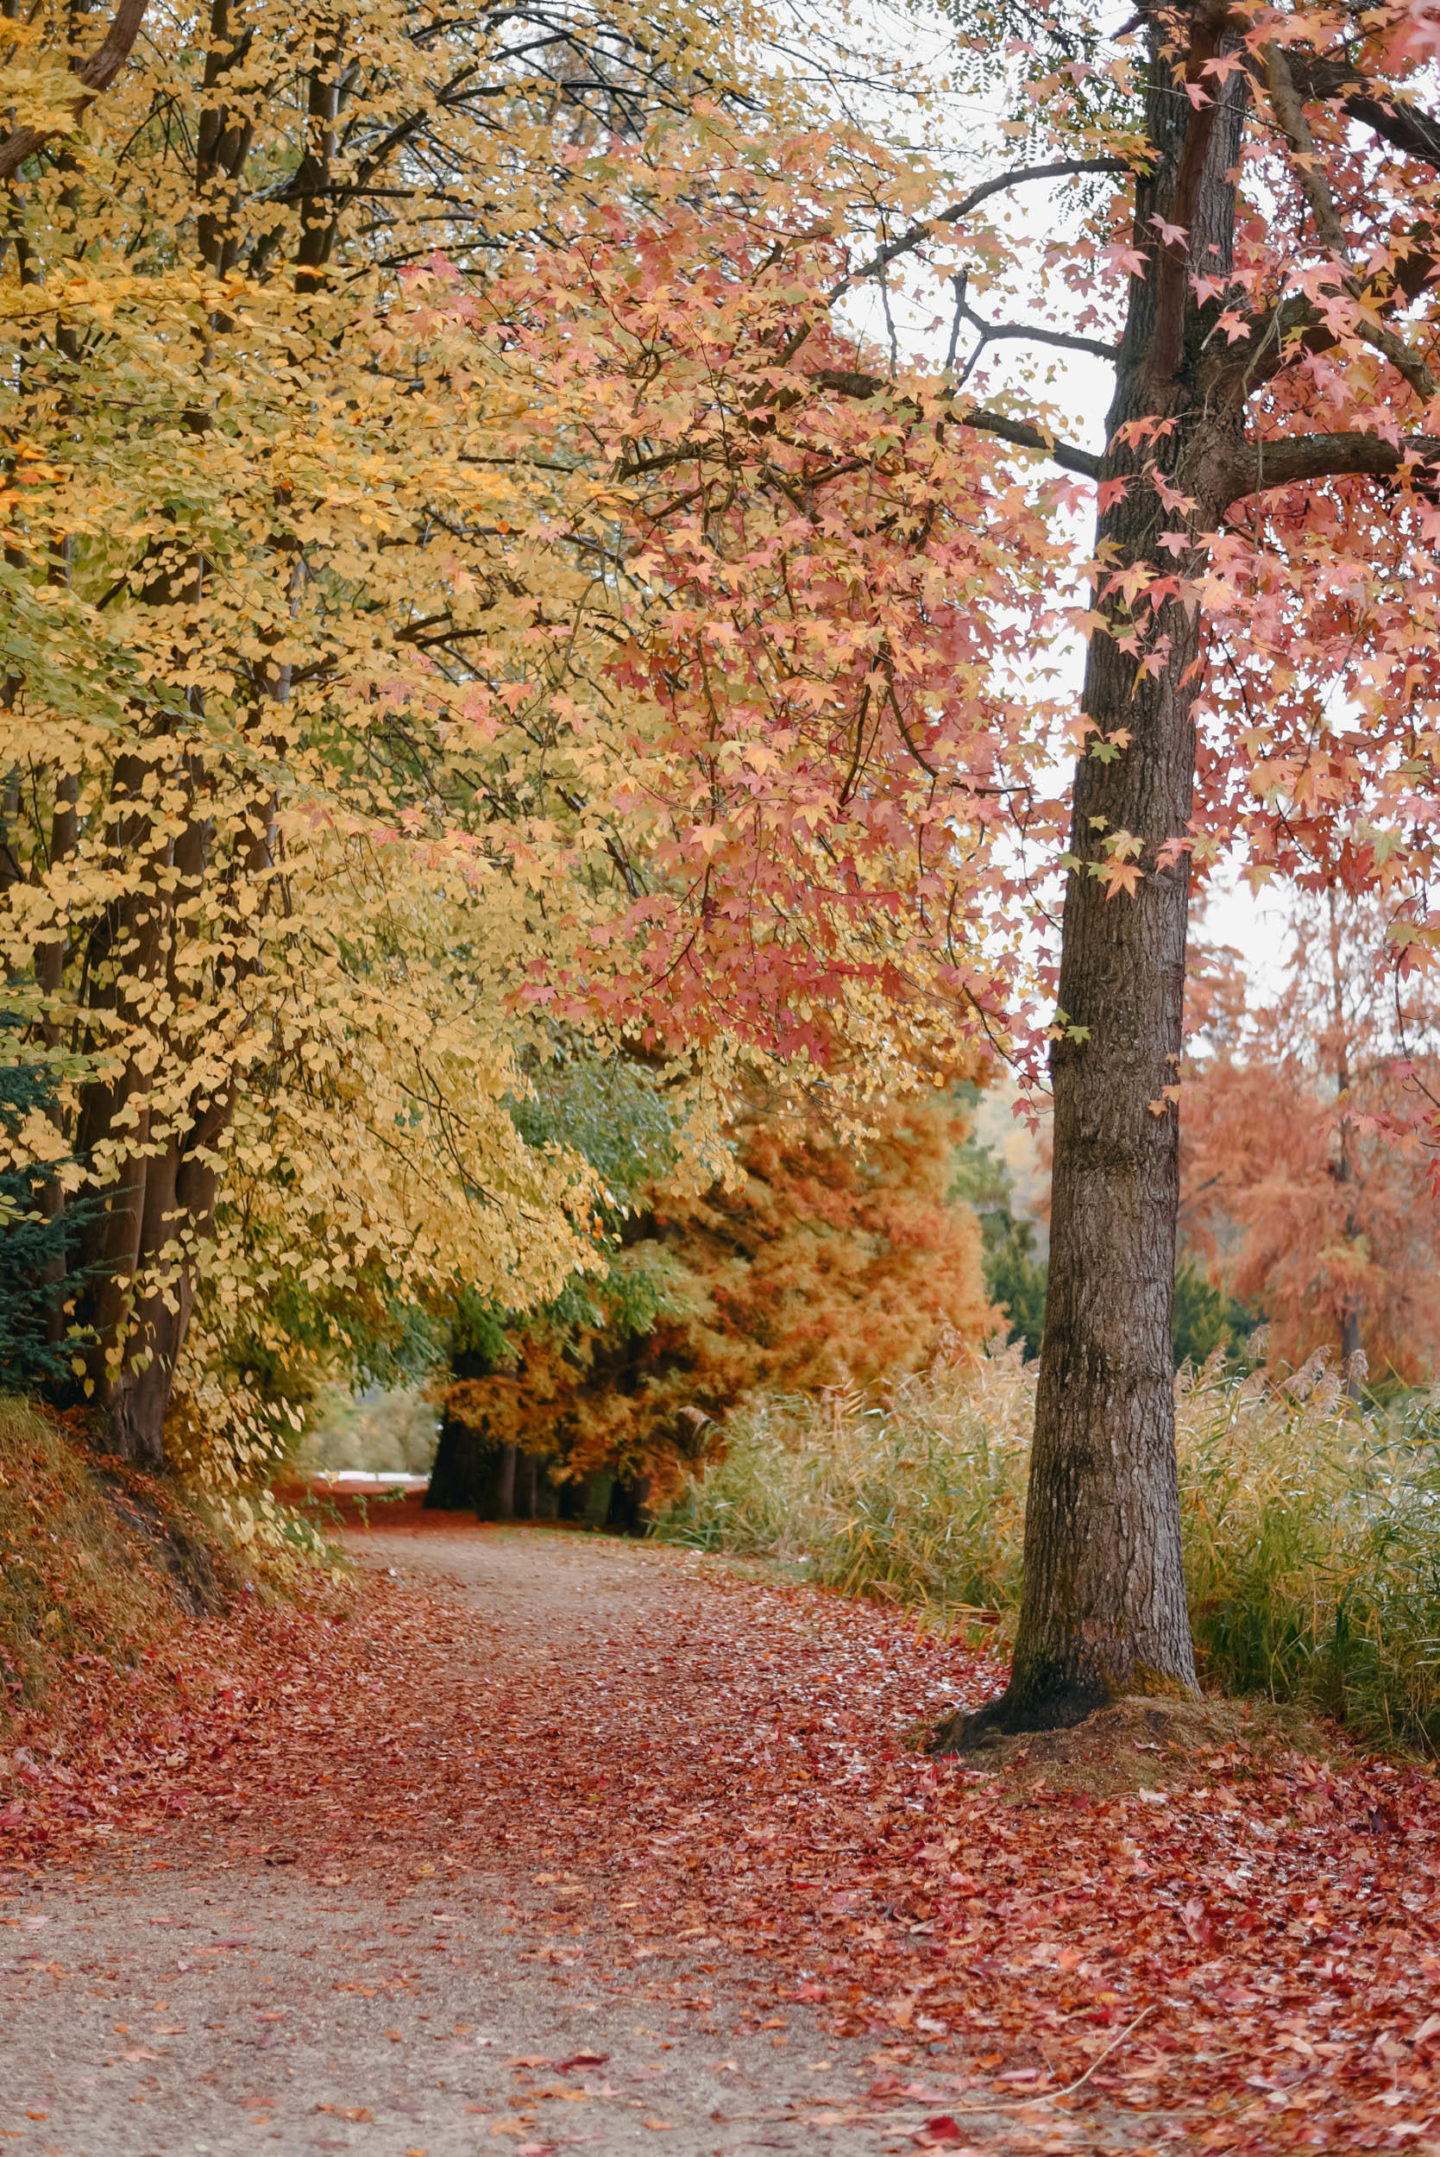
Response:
column 1295, row 325
column 94, row 75
column 1258, row 466
column 1063, row 168
column 1016, row 431
column 1032, row 332
column 1024, row 436
column 1310, row 172
column 1403, row 125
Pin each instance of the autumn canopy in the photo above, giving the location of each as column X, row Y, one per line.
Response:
column 544, row 545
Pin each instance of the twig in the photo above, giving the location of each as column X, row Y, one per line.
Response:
column 1063, row 168
column 1050, row 2097
column 93, row 75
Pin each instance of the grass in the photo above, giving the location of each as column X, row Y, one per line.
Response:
column 1312, row 1532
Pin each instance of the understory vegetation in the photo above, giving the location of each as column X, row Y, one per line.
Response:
column 102, row 1565
column 1311, row 1552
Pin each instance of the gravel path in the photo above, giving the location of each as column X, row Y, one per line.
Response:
column 154, row 2007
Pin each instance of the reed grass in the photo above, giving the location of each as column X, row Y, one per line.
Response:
column 1311, row 1530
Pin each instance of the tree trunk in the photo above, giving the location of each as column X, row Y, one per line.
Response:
column 1351, row 1350
column 144, row 1248
column 463, row 1460
column 49, row 979
column 178, row 1215
column 1350, row 1346
column 1104, row 1609
column 505, row 1484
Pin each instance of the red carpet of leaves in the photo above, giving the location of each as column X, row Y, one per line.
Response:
column 727, row 1767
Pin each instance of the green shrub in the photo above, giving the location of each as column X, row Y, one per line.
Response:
column 1312, row 1531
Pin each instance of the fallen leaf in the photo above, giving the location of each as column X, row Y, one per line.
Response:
column 943, row 2133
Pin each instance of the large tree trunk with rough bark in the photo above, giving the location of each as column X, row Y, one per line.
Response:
column 141, row 1253
column 1104, row 1609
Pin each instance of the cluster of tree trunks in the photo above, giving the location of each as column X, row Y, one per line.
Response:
column 472, row 1474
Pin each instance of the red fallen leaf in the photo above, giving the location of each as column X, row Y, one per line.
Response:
column 941, row 2133
column 922, row 1852
column 1198, row 1922
column 582, row 2059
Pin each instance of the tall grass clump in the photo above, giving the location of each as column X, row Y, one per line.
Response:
column 917, row 1499
column 1312, row 1531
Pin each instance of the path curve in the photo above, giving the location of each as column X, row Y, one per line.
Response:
column 215, row 1999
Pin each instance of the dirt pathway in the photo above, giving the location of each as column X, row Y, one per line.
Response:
column 555, row 1842
column 193, row 2003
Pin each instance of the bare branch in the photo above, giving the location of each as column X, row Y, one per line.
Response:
column 94, row 75
column 1063, row 168
column 1033, row 333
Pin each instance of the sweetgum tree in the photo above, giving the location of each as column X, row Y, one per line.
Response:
column 1261, row 640
column 1263, row 621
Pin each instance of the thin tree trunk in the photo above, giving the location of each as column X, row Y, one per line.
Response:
column 505, row 1484
column 131, row 940
column 1104, row 1608
column 49, row 977
column 144, row 1246
column 1350, row 1345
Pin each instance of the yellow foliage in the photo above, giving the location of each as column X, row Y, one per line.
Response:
column 261, row 595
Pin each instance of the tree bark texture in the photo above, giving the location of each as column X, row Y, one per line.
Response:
column 142, row 1250
column 1104, row 1609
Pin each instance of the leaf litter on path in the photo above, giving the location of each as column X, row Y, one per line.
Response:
column 674, row 1769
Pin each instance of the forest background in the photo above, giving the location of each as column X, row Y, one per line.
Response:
column 534, row 805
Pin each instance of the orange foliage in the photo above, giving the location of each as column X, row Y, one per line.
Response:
column 827, row 1262
column 1302, row 1186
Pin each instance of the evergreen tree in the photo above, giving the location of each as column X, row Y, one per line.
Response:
column 39, row 1236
